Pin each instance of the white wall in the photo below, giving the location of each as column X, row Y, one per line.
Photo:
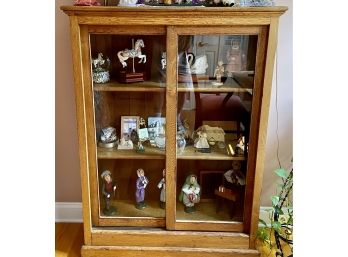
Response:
column 284, row 71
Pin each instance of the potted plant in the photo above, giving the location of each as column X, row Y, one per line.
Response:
column 278, row 232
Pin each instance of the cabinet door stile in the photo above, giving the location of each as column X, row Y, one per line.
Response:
column 90, row 124
column 262, row 135
column 81, row 127
column 172, row 52
column 255, row 118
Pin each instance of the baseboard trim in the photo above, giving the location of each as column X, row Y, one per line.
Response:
column 70, row 212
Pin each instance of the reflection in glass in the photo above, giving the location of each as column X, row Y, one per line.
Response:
column 215, row 90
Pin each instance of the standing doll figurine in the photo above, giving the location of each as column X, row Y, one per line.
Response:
column 190, row 193
column 162, row 185
column 141, row 184
column 108, row 190
column 218, row 73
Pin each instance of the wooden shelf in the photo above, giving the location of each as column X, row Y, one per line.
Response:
column 216, row 155
column 150, row 153
column 146, row 86
column 230, row 85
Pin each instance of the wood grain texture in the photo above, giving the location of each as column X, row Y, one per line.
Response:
column 149, row 154
column 147, row 86
column 134, row 222
column 112, row 251
column 126, row 30
column 209, row 226
column 262, row 135
column 254, row 128
column 90, row 124
column 221, row 30
column 68, row 239
column 162, row 238
column 81, row 127
column 171, row 105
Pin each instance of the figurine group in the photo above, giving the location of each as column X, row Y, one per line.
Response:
column 189, row 195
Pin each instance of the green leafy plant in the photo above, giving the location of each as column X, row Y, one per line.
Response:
column 280, row 216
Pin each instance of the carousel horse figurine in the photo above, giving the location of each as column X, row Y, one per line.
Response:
column 99, row 61
column 136, row 52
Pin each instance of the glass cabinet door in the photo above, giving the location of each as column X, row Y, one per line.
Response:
column 129, row 117
column 215, row 103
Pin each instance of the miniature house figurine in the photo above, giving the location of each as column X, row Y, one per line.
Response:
column 190, row 193
column 141, row 184
column 108, row 190
column 162, row 185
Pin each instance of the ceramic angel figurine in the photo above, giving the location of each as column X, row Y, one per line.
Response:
column 162, row 185
column 108, row 190
column 190, row 193
column 140, row 184
column 235, row 176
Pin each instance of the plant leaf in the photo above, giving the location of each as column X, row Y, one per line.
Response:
column 263, row 222
column 275, row 200
column 281, row 172
column 277, row 226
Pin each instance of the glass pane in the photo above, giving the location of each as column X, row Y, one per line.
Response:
column 130, row 118
column 215, row 90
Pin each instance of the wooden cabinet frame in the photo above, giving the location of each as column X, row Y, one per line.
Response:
column 171, row 22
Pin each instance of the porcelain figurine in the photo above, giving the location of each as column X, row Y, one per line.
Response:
column 100, row 68
column 140, row 148
column 235, row 176
column 108, row 191
column 108, row 138
column 162, row 185
column 125, row 144
column 164, row 61
column 135, row 52
column 201, row 143
column 86, row 3
column 190, row 193
column 128, row 3
column 218, row 73
column 240, row 147
column 141, row 184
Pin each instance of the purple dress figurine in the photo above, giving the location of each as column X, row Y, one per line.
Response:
column 141, row 184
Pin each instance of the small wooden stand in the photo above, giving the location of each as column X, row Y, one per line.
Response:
column 130, row 77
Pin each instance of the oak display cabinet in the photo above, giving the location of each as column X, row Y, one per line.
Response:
column 176, row 98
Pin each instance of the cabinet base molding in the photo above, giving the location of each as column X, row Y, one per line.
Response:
column 136, row 251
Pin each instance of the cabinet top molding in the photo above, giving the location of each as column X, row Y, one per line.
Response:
column 110, row 10
column 146, row 15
